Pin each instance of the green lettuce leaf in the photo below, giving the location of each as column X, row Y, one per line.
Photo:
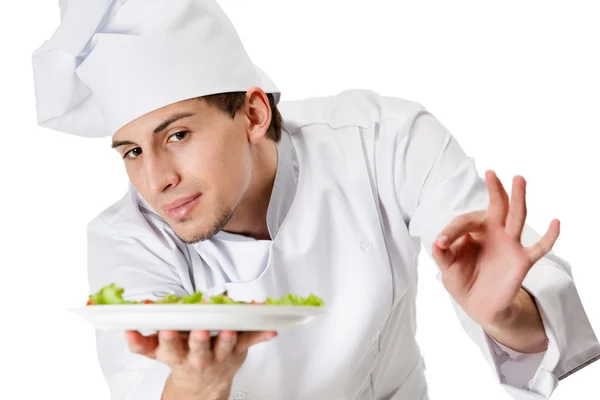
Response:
column 170, row 299
column 223, row 299
column 111, row 294
column 174, row 299
column 193, row 299
column 293, row 299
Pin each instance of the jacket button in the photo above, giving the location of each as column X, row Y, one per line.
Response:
column 366, row 247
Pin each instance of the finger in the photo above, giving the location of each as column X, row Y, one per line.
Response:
column 140, row 344
column 224, row 345
column 460, row 226
column 443, row 257
column 518, row 209
column 171, row 350
column 498, row 206
column 200, row 353
column 541, row 248
column 247, row 339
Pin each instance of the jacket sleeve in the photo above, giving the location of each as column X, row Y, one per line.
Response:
column 128, row 260
column 435, row 181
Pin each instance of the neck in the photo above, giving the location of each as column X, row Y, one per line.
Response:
column 250, row 216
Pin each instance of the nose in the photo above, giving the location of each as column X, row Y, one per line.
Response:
column 160, row 174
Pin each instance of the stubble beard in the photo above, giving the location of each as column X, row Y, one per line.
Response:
column 223, row 217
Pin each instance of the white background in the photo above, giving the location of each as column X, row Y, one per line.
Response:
column 517, row 83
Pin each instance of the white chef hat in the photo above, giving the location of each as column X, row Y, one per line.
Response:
column 112, row 61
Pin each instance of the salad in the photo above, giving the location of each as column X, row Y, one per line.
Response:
column 113, row 294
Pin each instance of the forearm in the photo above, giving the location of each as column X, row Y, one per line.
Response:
column 179, row 390
column 521, row 327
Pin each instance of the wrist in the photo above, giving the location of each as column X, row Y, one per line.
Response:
column 186, row 388
column 520, row 326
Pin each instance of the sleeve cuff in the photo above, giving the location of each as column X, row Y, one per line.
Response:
column 518, row 369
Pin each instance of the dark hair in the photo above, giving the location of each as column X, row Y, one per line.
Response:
column 232, row 102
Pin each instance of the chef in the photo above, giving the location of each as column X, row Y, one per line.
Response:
column 233, row 190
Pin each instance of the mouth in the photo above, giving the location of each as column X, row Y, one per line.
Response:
column 181, row 208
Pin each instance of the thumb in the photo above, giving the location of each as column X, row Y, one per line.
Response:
column 140, row 344
column 248, row 339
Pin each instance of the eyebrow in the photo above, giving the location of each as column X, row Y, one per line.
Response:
column 164, row 125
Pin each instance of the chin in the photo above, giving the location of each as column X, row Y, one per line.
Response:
column 191, row 230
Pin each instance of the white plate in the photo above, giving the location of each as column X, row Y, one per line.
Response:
column 185, row 317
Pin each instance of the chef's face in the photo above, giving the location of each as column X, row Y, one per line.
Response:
column 193, row 162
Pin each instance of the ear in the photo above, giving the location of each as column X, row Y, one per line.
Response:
column 258, row 114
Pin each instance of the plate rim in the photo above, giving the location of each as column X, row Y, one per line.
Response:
column 275, row 309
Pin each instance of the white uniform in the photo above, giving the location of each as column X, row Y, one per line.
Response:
column 362, row 181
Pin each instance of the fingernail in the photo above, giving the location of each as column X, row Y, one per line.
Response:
column 200, row 335
column 442, row 240
column 169, row 335
column 228, row 335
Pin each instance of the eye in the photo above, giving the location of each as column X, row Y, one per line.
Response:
column 179, row 136
column 133, row 153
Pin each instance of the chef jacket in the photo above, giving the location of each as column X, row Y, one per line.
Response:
column 363, row 181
